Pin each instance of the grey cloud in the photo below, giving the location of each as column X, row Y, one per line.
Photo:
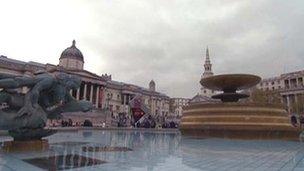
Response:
column 143, row 40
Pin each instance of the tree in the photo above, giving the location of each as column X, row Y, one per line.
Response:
column 298, row 105
column 265, row 97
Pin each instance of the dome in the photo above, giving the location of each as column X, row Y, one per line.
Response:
column 72, row 52
column 152, row 83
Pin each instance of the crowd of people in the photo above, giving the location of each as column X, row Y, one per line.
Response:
column 120, row 120
column 69, row 123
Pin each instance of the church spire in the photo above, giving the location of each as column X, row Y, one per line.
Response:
column 207, row 66
column 207, row 54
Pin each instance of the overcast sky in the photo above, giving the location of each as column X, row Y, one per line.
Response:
column 164, row 40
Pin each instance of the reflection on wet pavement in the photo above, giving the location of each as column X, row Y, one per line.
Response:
column 154, row 151
column 62, row 162
column 105, row 149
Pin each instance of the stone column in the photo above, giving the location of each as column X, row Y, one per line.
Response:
column 152, row 106
column 85, row 92
column 78, row 94
column 91, row 93
column 71, row 92
column 287, row 85
column 124, row 103
column 288, row 102
column 97, row 97
column 161, row 106
column 297, row 83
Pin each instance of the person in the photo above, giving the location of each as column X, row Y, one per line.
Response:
column 70, row 122
column 172, row 124
column 153, row 124
column 293, row 120
column 301, row 120
column 87, row 123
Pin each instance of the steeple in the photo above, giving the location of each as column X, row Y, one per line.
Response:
column 207, row 55
column 207, row 66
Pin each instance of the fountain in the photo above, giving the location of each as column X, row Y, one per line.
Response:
column 233, row 119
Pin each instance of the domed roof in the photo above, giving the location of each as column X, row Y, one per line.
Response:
column 152, row 82
column 72, row 52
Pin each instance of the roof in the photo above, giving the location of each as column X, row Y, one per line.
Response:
column 202, row 99
column 72, row 53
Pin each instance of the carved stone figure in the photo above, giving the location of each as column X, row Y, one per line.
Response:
column 48, row 96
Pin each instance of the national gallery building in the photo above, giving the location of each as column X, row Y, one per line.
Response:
column 120, row 98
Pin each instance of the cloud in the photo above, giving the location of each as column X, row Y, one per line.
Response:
column 140, row 40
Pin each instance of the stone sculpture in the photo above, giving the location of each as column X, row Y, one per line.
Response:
column 48, row 96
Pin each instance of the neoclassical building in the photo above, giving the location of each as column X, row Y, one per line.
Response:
column 289, row 85
column 101, row 90
column 177, row 104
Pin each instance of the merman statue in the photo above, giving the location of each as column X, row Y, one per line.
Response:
column 48, row 96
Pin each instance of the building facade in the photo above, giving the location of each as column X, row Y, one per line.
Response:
column 289, row 85
column 176, row 106
column 101, row 90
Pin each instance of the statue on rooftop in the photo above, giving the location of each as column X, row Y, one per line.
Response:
column 25, row 114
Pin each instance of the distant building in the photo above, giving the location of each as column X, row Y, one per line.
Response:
column 289, row 85
column 101, row 90
column 177, row 104
column 199, row 98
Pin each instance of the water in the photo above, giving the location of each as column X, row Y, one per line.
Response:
column 144, row 150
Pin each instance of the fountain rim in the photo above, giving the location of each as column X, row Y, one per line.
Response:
column 256, row 79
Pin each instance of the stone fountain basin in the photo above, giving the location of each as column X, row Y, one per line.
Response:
column 230, row 82
column 238, row 120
